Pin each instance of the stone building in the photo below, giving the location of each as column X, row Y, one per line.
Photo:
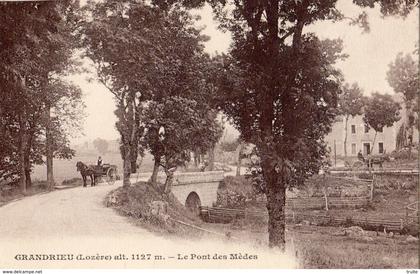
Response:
column 360, row 138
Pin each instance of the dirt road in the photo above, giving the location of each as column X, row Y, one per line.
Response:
column 75, row 222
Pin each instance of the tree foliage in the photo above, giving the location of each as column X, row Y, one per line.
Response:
column 151, row 58
column 351, row 100
column 380, row 111
column 37, row 47
column 403, row 77
column 350, row 104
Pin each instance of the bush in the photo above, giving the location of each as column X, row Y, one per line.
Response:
column 404, row 154
column 235, row 192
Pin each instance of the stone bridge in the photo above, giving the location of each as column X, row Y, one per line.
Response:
column 194, row 189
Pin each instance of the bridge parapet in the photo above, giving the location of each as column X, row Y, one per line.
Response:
column 198, row 177
column 185, row 178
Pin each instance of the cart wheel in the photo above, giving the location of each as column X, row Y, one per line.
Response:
column 111, row 176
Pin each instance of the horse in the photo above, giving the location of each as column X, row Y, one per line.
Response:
column 377, row 160
column 86, row 170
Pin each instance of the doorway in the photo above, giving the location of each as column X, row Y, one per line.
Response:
column 366, row 148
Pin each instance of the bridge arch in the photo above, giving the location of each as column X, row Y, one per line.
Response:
column 193, row 202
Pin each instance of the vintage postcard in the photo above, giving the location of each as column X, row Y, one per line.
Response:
column 232, row 134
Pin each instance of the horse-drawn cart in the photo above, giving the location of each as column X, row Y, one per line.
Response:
column 106, row 170
column 367, row 162
column 97, row 172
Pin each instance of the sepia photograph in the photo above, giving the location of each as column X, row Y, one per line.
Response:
column 209, row 134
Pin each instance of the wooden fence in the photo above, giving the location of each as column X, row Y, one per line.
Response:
column 225, row 215
column 413, row 171
column 323, row 202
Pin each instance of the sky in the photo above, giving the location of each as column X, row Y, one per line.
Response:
column 367, row 64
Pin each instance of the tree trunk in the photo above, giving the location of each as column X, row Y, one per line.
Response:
column 345, row 135
column 133, row 164
column 410, row 135
column 373, row 143
column 239, row 162
column 275, row 188
column 211, row 158
column 169, row 179
column 28, row 172
column 127, row 166
column 49, row 150
column 134, row 148
column 22, row 147
column 155, row 172
column 28, row 160
column 22, row 171
column 276, row 200
column 129, row 137
column 196, row 158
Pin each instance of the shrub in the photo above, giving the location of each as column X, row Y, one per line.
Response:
column 235, row 192
column 404, row 154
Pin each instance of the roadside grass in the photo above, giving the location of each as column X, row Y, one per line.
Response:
column 320, row 249
column 327, row 247
column 13, row 192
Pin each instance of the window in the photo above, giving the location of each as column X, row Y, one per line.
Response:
column 366, row 129
column 353, row 149
column 353, row 129
column 381, row 129
column 381, row 147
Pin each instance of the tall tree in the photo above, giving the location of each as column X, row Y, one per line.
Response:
column 350, row 104
column 37, row 47
column 403, row 77
column 380, row 111
column 285, row 88
column 150, row 58
column 119, row 37
column 181, row 125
